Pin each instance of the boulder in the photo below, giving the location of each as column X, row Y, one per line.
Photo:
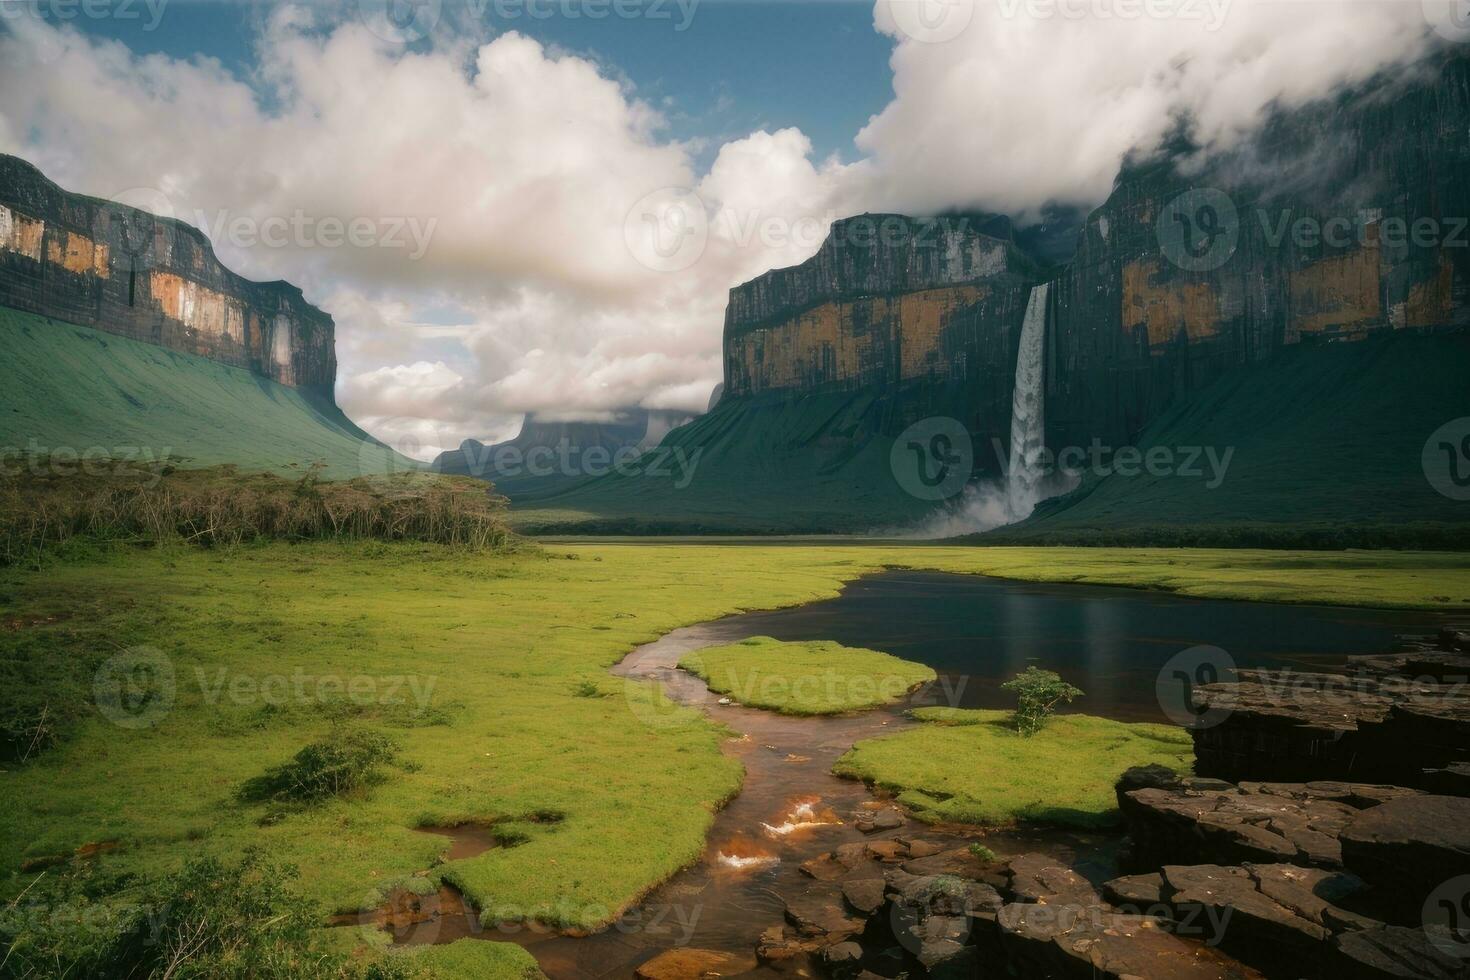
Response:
column 864, row 895
column 819, row 915
column 883, row 818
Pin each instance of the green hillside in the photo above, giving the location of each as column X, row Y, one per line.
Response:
column 817, row 464
column 1327, row 445
column 66, row 388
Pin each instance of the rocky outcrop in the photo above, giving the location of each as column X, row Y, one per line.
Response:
column 918, row 909
column 1409, row 846
column 1194, row 820
column 127, row 272
column 1287, row 725
column 1304, row 236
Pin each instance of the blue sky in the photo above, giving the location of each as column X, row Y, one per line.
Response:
column 739, row 66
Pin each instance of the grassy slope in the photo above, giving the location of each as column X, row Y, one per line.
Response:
column 819, row 464
column 507, row 642
column 815, row 677
column 1062, row 775
column 1323, row 437
column 63, row 385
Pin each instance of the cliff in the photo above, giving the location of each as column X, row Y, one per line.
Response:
column 126, row 272
column 1341, row 221
column 1325, row 262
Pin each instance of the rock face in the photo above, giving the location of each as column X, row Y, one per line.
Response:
column 126, row 272
column 1136, row 321
column 1410, row 846
column 950, row 914
column 1289, row 725
column 1193, row 820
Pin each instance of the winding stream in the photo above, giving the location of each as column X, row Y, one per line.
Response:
column 975, row 632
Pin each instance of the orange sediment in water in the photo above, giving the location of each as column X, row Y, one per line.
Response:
column 803, row 813
column 742, row 854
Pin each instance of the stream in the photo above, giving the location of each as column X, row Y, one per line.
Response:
column 975, row 632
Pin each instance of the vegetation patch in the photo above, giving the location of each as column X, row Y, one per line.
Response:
column 812, row 677
column 346, row 761
column 45, row 504
column 502, row 642
column 974, row 767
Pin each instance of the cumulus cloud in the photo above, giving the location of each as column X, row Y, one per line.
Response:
column 1038, row 101
column 470, row 213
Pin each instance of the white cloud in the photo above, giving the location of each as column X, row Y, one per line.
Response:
column 1042, row 100
column 515, row 169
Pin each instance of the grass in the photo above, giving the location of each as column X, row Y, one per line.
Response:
column 973, row 766
column 488, row 670
column 68, row 388
column 815, row 677
column 466, row 958
column 1326, row 444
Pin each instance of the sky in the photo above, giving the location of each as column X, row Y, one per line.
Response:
column 514, row 206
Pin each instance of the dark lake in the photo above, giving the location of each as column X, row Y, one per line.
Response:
column 1112, row 642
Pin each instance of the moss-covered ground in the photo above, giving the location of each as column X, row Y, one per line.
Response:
column 813, row 677
column 974, row 767
column 488, row 671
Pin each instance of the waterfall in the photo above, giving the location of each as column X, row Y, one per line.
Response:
column 994, row 503
column 1028, row 411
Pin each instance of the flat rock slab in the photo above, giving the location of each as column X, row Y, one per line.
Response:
column 1206, row 821
column 1066, row 941
column 1038, row 878
column 820, row 914
column 1275, row 916
column 1411, row 845
column 1396, row 951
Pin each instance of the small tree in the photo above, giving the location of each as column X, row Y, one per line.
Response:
column 1038, row 692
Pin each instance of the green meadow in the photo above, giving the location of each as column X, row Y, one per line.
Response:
column 488, row 674
column 815, row 677
column 1063, row 775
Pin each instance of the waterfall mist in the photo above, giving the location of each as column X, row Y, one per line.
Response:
column 1025, row 482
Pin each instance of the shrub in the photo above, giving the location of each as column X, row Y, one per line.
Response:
column 211, row 919
column 983, row 853
column 1038, row 692
column 48, row 506
column 347, row 760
